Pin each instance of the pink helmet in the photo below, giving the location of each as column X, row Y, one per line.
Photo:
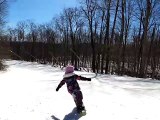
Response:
column 69, row 69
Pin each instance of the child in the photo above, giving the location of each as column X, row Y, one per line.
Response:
column 70, row 78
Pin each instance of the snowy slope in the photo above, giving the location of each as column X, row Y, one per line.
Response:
column 27, row 92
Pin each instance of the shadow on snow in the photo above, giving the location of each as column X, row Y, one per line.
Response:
column 73, row 115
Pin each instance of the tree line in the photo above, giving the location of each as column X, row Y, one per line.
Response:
column 108, row 36
column 3, row 14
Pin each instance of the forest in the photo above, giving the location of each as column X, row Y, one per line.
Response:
column 105, row 36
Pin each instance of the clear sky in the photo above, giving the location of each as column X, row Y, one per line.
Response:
column 40, row 11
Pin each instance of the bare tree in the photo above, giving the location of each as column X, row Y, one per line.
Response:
column 89, row 8
column 147, row 10
column 107, row 35
column 128, row 14
column 72, row 16
column 3, row 13
column 21, row 28
column 62, row 29
column 33, row 34
column 113, row 28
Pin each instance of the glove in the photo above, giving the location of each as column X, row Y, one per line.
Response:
column 89, row 79
column 57, row 89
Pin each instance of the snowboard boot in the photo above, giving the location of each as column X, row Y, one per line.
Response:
column 80, row 109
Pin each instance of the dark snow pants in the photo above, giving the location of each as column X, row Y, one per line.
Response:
column 78, row 97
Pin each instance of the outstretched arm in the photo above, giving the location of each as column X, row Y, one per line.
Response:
column 60, row 85
column 83, row 78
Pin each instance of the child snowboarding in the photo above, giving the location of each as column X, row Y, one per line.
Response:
column 70, row 78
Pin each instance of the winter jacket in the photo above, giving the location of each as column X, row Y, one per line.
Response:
column 71, row 82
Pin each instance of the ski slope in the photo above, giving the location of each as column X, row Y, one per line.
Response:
column 27, row 92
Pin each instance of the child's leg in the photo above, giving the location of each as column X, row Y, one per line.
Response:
column 78, row 97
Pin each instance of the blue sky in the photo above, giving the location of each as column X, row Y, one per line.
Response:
column 40, row 11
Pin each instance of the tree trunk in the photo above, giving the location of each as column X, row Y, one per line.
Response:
column 144, row 40
column 108, row 38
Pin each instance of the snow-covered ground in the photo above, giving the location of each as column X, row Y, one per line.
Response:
column 27, row 92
